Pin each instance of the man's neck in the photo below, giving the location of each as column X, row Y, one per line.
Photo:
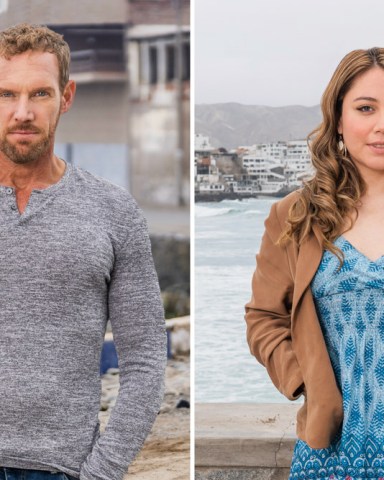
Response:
column 37, row 175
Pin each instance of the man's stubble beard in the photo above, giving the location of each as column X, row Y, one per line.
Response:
column 16, row 153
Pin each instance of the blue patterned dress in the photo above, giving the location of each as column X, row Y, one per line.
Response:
column 350, row 307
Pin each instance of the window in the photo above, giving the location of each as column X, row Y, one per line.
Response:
column 153, row 65
column 186, row 68
column 171, row 62
column 172, row 59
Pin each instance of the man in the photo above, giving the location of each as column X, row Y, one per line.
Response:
column 74, row 252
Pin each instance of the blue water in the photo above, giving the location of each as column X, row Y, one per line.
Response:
column 227, row 238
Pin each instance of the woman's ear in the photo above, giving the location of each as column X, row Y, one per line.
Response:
column 340, row 126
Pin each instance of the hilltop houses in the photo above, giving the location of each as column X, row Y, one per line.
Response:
column 273, row 169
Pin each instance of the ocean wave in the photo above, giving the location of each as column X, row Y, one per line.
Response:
column 254, row 212
column 201, row 212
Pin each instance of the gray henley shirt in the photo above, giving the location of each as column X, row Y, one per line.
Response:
column 78, row 256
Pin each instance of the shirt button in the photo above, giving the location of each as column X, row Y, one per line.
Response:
column 9, row 191
column 13, row 207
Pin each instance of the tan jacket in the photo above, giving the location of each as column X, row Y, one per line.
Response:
column 284, row 333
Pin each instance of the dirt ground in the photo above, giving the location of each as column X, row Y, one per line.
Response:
column 166, row 453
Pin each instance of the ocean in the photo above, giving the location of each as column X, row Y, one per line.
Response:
column 227, row 238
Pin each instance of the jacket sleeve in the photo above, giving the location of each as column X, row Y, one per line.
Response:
column 268, row 313
column 137, row 319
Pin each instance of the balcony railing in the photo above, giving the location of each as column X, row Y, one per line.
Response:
column 100, row 60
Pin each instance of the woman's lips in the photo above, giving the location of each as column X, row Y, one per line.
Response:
column 376, row 147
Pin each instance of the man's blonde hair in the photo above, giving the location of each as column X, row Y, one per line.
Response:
column 23, row 37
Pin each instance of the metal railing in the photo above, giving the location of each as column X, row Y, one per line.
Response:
column 100, row 60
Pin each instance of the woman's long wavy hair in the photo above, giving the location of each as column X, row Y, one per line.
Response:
column 329, row 198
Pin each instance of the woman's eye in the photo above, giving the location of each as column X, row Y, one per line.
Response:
column 365, row 108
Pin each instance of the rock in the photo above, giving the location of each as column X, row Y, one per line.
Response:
column 183, row 404
column 180, row 341
column 180, row 335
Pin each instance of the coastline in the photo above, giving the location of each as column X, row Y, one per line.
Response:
column 220, row 196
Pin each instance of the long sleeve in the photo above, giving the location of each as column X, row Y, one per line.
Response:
column 136, row 314
column 268, row 313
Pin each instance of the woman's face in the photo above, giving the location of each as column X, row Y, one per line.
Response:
column 362, row 122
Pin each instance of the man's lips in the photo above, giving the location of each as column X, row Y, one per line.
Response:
column 23, row 129
column 23, row 132
column 22, row 135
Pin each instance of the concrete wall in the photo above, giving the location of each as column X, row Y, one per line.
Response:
column 158, row 12
column 244, row 441
column 99, row 114
column 64, row 12
column 154, row 153
column 93, row 11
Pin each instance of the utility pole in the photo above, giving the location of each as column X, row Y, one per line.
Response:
column 128, row 113
column 177, row 4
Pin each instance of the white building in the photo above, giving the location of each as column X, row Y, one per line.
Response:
column 298, row 159
column 202, row 143
column 275, row 150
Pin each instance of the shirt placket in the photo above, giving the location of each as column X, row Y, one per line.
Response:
column 9, row 204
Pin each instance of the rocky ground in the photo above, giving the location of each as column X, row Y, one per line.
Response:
column 166, row 452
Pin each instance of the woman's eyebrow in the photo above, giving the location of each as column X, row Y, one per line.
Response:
column 369, row 99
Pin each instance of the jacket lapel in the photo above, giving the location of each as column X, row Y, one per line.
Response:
column 309, row 258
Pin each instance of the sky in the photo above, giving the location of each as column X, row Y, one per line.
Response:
column 277, row 52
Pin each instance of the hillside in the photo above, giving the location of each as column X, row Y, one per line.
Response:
column 230, row 125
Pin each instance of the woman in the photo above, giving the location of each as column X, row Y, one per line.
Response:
column 316, row 317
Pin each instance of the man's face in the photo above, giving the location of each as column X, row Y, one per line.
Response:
column 30, row 105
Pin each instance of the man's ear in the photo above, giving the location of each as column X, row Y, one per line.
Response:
column 68, row 96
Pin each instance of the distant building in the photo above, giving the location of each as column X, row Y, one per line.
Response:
column 273, row 169
column 202, row 143
column 159, row 79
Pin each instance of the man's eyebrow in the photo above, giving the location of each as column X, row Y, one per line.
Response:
column 49, row 89
column 37, row 89
column 368, row 99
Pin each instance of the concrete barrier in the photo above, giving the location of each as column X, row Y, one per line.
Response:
column 178, row 330
column 244, row 441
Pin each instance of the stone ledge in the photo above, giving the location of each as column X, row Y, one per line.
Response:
column 242, row 474
column 229, row 435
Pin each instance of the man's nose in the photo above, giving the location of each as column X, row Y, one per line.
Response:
column 23, row 111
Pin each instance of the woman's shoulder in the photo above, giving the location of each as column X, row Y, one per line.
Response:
column 282, row 206
column 275, row 223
